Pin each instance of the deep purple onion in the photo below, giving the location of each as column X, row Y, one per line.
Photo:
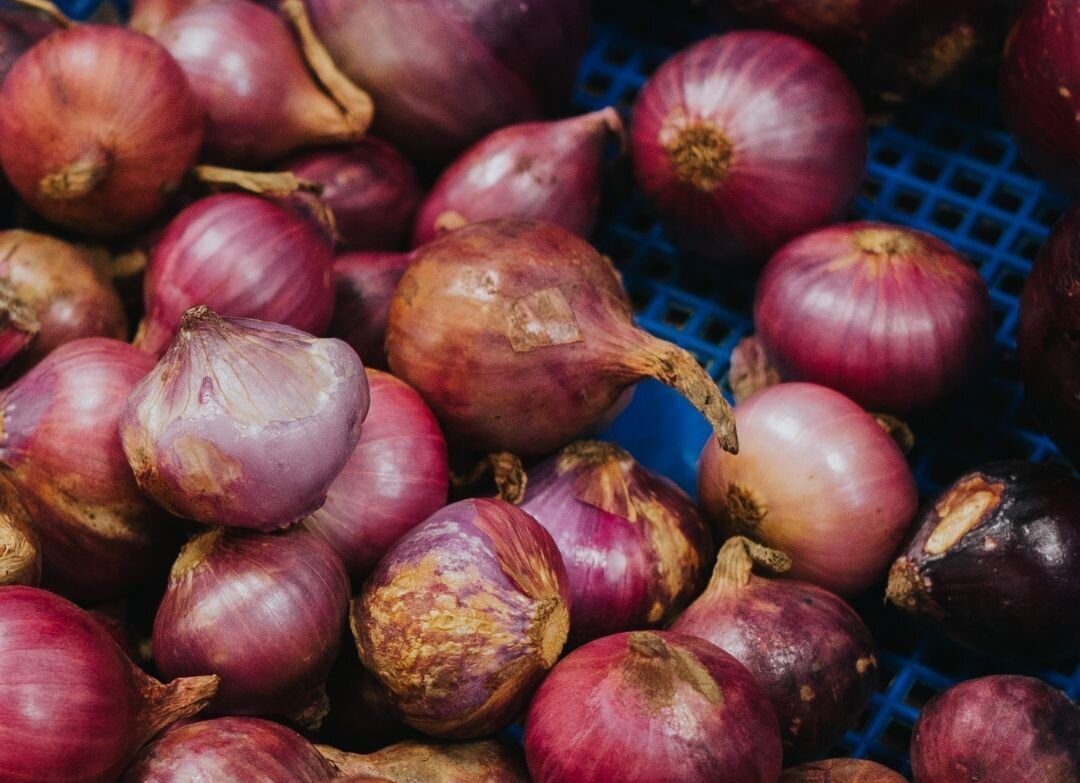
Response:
column 807, row 649
column 995, row 561
column 486, row 761
column 651, row 706
column 242, row 256
column 463, row 616
column 893, row 318
column 547, row 171
column 244, row 423
column 60, row 448
column 20, row 552
column 841, row 771
column 364, row 285
column 444, row 72
column 1002, row 729
column 396, row 477
column 73, row 708
column 635, row 548
column 746, row 140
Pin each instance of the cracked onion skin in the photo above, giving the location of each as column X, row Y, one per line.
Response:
column 999, row 729
column 494, row 316
column 841, row 771
column 485, row 761
column 463, row 616
column 995, row 561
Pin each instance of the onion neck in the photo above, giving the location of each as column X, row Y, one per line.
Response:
column 886, row 241
column 910, row 590
column 164, row 704
column 78, row 178
column 657, row 668
column 195, row 552
column 737, row 558
column 549, row 630
column 700, row 155
column 506, row 470
column 744, row 508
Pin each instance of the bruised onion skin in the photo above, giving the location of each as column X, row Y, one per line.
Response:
column 808, row 650
column 397, row 476
column 244, row 423
column 634, row 545
column 996, row 562
column 230, row 750
column 547, row 171
column 841, row 771
column 816, row 478
column 98, row 128
column 371, row 189
column 746, row 140
column 463, row 616
column 60, row 448
column 487, row 761
column 364, row 285
column 20, row 553
column 893, row 318
column 655, row 707
column 445, row 72
column 242, row 256
column 1001, row 729
column 495, row 316
column 73, row 708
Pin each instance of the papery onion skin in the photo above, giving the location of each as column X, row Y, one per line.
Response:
column 100, row 536
column 242, row 256
column 444, row 72
column 486, row 761
column 841, row 771
column 244, row 423
column 494, row 316
column 398, row 476
column 635, row 548
column 20, row 553
column 98, row 128
column 364, row 285
column 746, row 140
column 73, row 708
column 652, row 706
column 1000, row 729
column 547, row 171
column 808, row 650
column 995, row 561
column 1048, row 337
column 463, row 616
column 893, row 318
column 371, row 189
column 816, row 478
column 230, row 749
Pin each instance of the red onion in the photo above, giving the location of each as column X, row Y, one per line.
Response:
column 807, row 649
column 264, row 611
column 149, row 16
column 818, row 479
column 463, row 616
column 1049, row 335
column 746, row 140
column 417, row 762
column 370, row 188
column 539, row 171
column 893, row 318
column 495, row 316
column 73, row 709
column 444, row 72
column 996, row 561
column 1002, row 729
column 364, row 285
column 263, row 97
column 243, row 256
column 651, row 706
column 396, row 478
column 60, row 447
column 97, row 129
column 841, row 771
column 635, row 548
column 244, row 423
column 20, row 553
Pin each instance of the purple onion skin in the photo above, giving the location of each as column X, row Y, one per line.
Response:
column 463, row 616
column 371, row 189
column 746, row 140
column 548, row 171
column 398, row 476
column 893, row 318
column 1002, row 729
column 445, row 72
column 634, row 545
column 808, row 650
column 1049, row 335
column 364, row 285
column 841, row 771
column 995, row 561
column 651, row 707
column 230, row 749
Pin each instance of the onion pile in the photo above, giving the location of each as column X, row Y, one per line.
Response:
column 364, row 285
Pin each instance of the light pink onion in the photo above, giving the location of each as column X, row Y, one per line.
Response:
column 364, row 285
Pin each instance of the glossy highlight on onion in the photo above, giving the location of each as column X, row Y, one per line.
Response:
column 364, row 285
column 841, row 771
column 746, row 140
column 149, row 16
column 463, row 616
